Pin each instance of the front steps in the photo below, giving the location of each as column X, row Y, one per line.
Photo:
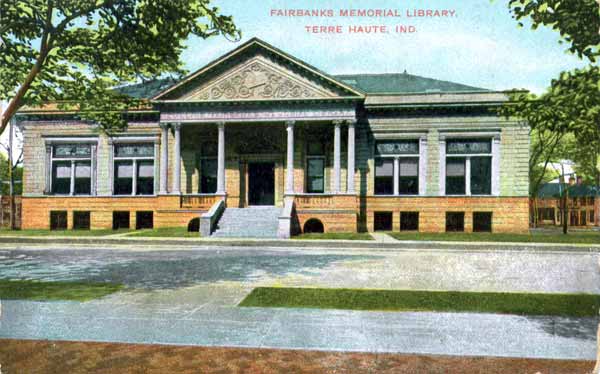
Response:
column 251, row 222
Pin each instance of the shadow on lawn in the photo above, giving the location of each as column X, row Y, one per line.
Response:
column 161, row 269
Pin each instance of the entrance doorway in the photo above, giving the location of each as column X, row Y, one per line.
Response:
column 261, row 183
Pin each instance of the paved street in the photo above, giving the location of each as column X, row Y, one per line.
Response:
column 190, row 296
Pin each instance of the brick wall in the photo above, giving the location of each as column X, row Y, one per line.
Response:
column 166, row 211
column 509, row 214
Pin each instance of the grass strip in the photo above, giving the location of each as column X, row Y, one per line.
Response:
column 166, row 232
column 77, row 233
column 335, row 236
column 572, row 305
column 571, row 238
column 46, row 291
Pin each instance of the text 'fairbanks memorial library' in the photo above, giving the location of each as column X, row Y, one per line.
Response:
column 259, row 143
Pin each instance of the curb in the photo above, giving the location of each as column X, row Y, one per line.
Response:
column 338, row 244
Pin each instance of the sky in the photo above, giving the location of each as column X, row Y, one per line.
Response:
column 482, row 46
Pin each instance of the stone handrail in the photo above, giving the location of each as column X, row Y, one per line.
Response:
column 284, row 230
column 199, row 201
column 325, row 201
column 209, row 219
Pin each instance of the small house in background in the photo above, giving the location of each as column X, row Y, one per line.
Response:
column 583, row 204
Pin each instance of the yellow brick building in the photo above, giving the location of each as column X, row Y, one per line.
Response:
column 259, row 143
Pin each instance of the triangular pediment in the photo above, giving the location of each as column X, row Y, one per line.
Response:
column 253, row 72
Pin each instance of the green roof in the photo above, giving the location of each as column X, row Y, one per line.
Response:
column 402, row 83
column 553, row 190
column 146, row 90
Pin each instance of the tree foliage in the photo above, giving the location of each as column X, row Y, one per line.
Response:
column 577, row 21
column 562, row 120
column 78, row 50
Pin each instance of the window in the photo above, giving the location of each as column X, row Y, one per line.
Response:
column 134, row 169
column 315, row 167
column 120, row 220
column 409, row 221
column 546, row 214
column 397, row 167
column 144, row 220
column 71, row 169
column 455, row 176
column 208, row 175
column 384, row 176
column 208, row 167
column 455, row 221
column 383, row 221
column 58, row 220
column 81, row 220
column 482, row 222
column 469, row 167
column 409, row 176
column 481, row 175
column 316, row 175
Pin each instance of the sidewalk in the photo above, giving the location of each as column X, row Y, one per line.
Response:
column 154, row 320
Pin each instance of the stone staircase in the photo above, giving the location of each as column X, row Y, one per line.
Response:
column 251, row 222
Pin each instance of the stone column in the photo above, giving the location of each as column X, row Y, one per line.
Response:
column 351, row 158
column 164, row 157
column 176, row 189
column 221, row 160
column 396, row 176
column 337, row 145
column 289, row 178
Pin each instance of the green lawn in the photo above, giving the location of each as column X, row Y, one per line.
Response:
column 576, row 305
column 335, row 236
column 36, row 290
column 166, row 232
column 102, row 232
column 571, row 238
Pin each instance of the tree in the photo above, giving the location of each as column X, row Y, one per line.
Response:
column 577, row 21
column 561, row 120
column 75, row 52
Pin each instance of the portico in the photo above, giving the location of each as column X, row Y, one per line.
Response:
column 288, row 158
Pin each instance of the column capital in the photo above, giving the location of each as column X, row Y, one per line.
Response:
column 337, row 122
column 351, row 123
column 177, row 126
column 221, row 125
column 164, row 125
column 290, row 124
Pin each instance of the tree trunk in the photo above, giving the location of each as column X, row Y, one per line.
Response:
column 11, row 189
column 566, row 210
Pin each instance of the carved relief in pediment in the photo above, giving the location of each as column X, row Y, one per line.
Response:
column 258, row 80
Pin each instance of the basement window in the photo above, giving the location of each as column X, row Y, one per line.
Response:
column 455, row 221
column 120, row 220
column 81, row 220
column 58, row 220
column 409, row 221
column 482, row 222
column 144, row 220
column 383, row 221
